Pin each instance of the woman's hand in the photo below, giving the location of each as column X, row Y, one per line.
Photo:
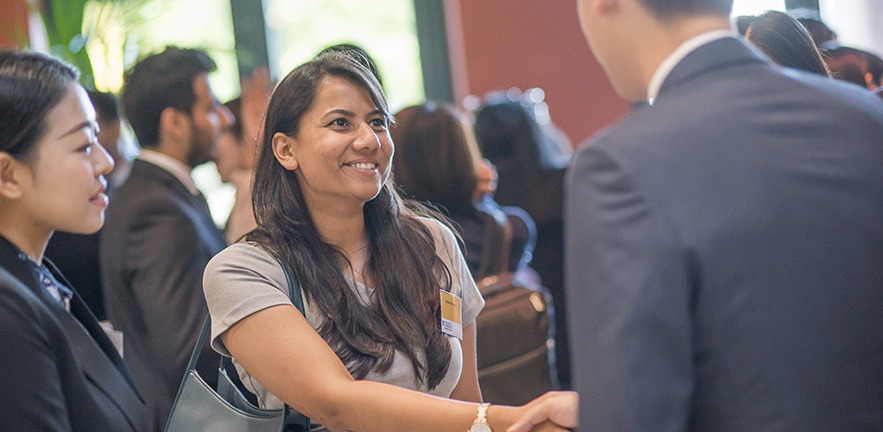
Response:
column 560, row 408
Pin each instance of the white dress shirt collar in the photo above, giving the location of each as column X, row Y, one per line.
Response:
column 679, row 54
column 175, row 167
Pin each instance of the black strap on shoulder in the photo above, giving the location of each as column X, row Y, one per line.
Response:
column 294, row 421
column 294, row 292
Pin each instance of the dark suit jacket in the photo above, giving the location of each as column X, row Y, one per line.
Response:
column 154, row 247
column 725, row 255
column 76, row 255
column 58, row 370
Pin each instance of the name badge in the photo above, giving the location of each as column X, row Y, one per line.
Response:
column 451, row 317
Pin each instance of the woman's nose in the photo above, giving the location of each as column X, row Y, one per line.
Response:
column 367, row 138
column 101, row 160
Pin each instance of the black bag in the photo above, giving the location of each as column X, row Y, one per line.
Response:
column 514, row 332
column 198, row 407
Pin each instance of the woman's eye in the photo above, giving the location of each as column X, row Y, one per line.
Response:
column 379, row 123
column 86, row 148
column 340, row 122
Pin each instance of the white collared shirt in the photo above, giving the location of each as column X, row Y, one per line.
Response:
column 175, row 167
column 679, row 54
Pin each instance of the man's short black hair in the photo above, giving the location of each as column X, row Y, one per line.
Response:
column 158, row 82
column 668, row 9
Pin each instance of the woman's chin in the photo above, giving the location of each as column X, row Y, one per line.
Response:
column 90, row 226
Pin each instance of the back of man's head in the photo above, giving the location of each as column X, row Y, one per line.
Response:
column 665, row 10
column 161, row 81
column 106, row 106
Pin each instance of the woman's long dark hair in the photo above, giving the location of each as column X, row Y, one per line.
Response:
column 402, row 262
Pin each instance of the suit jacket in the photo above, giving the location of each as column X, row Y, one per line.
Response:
column 725, row 255
column 154, row 247
column 58, row 370
column 76, row 255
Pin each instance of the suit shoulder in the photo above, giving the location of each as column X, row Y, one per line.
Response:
column 20, row 310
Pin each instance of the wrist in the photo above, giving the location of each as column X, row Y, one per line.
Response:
column 500, row 417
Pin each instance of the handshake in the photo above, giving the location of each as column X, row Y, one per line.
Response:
column 553, row 411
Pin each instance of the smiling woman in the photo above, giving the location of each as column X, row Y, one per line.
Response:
column 64, row 369
column 374, row 340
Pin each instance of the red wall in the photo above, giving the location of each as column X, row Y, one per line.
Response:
column 528, row 44
column 13, row 23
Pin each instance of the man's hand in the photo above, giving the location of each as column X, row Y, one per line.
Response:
column 560, row 408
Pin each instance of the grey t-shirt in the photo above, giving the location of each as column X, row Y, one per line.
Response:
column 244, row 279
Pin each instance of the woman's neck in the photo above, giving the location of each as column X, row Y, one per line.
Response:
column 25, row 236
column 345, row 231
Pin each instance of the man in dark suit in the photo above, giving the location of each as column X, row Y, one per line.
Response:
column 61, row 359
column 724, row 243
column 159, row 234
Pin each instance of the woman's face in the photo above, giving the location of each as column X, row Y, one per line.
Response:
column 342, row 149
column 62, row 184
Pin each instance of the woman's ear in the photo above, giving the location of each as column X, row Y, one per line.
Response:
column 10, row 184
column 283, row 149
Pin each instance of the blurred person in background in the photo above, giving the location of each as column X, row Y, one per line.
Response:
column 237, row 150
column 531, row 158
column 436, row 163
column 159, row 233
column 786, row 42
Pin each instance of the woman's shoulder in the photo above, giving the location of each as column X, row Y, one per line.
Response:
column 439, row 230
column 243, row 250
column 248, row 257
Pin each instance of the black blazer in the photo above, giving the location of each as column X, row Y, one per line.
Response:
column 58, row 370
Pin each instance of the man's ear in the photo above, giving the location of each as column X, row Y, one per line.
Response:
column 603, row 7
column 172, row 121
column 283, row 149
column 869, row 81
column 10, row 176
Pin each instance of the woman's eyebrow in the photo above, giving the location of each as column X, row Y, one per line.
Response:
column 79, row 127
column 340, row 111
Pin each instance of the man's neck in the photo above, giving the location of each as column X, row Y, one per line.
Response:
column 177, row 168
column 666, row 37
column 173, row 150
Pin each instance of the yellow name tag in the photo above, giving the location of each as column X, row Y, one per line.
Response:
column 451, row 318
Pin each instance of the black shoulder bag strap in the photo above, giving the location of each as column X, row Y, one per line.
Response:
column 294, row 421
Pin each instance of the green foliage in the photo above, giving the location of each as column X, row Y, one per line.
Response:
column 64, row 28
